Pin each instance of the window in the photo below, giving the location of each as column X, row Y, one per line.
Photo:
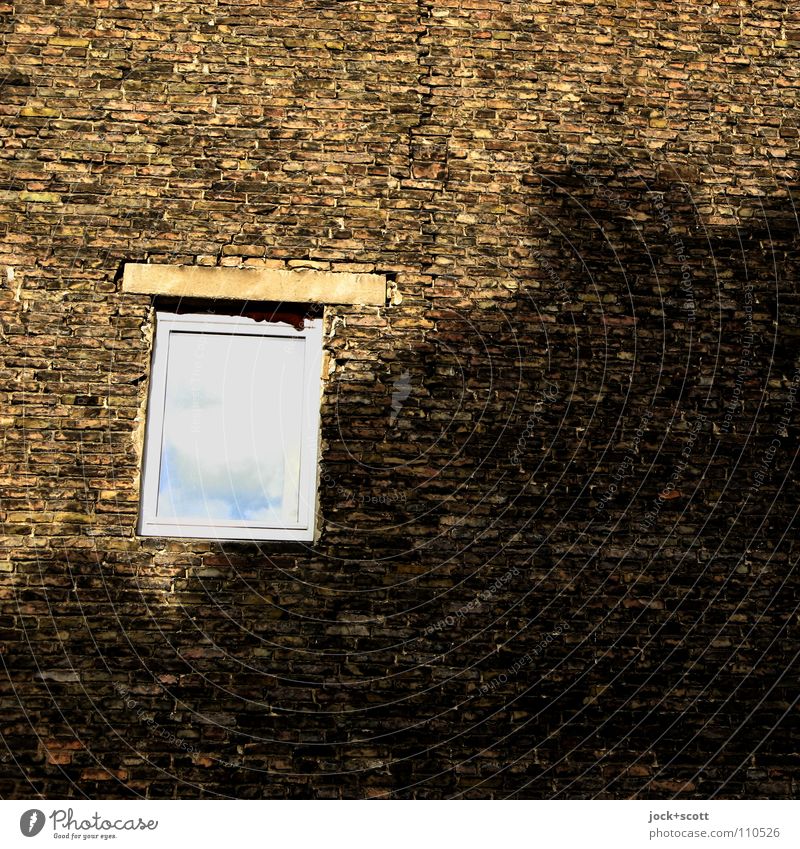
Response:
column 232, row 434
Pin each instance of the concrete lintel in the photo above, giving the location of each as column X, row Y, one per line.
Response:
column 254, row 284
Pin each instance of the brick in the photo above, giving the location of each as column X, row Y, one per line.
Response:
column 557, row 483
column 40, row 197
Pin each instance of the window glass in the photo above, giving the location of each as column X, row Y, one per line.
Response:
column 230, row 448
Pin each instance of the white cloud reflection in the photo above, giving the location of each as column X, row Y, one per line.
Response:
column 232, row 426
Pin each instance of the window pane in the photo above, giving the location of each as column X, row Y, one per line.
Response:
column 232, row 428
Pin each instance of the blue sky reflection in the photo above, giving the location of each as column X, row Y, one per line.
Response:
column 232, row 426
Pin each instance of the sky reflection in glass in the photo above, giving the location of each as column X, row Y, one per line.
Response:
column 232, row 429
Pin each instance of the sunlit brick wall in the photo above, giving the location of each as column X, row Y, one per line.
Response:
column 558, row 479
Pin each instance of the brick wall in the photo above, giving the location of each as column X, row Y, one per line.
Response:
column 558, row 479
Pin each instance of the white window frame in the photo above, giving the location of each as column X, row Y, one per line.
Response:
column 150, row 524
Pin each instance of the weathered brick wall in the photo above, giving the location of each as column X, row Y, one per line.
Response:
column 583, row 414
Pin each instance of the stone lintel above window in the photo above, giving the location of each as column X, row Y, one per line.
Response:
column 255, row 284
